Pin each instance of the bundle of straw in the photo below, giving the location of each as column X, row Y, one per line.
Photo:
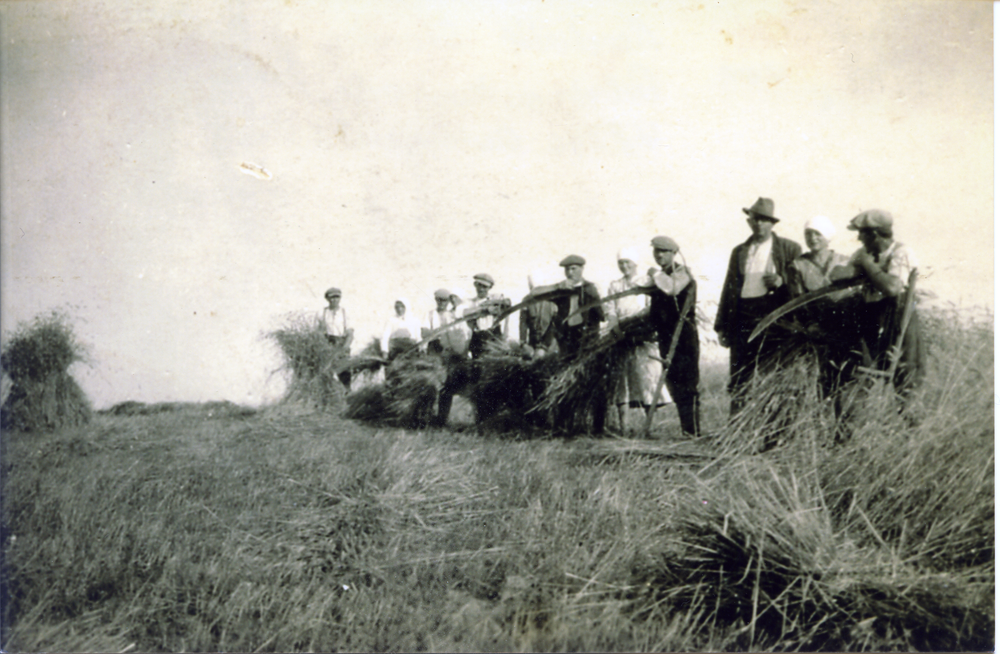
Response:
column 41, row 394
column 413, row 384
column 782, row 399
column 370, row 359
column 311, row 361
column 507, row 383
column 766, row 556
column 593, row 373
column 406, row 398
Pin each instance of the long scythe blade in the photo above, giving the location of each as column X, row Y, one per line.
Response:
column 798, row 302
column 534, row 299
column 638, row 290
column 479, row 312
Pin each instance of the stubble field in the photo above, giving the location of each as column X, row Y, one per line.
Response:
column 285, row 528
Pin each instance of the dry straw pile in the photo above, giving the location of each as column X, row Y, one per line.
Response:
column 42, row 395
column 311, row 363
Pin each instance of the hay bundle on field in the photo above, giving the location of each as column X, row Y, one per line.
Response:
column 407, row 396
column 507, row 384
column 42, row 395
column 369, row 360
column 595, row 371
column 311, row 361
column 781, row 400
column 767, row 559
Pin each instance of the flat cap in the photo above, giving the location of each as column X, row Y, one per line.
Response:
column 483, row 278
column 871, row 219
column 665, row 243
column 332, row 291
column 573, row 260
column 762, row 208
column 442, row 294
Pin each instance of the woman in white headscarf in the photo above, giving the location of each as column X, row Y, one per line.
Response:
column 641, row 374
column 401, row 331
column 812, row 269
column 829, row 319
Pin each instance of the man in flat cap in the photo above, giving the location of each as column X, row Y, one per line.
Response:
column 756, row 284
column 574, row 330
column 672, row 284
column 453, row 341
column 333, row 322
column 482, row 312
column 884, row 265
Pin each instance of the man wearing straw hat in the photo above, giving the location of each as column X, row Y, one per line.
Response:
column 884, row 267
column 673, row 289
column 756, row 284
column 333, row 322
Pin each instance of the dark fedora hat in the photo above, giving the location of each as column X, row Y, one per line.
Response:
column 762, row 208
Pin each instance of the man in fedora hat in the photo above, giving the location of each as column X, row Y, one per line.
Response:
column 333, row 322
column 482, row 311
column 756, row 284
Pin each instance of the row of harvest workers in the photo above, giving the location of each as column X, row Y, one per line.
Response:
column 857, row 326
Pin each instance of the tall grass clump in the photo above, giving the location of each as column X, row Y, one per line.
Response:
column 43, row 395
column 311, row 362
column 807, row 533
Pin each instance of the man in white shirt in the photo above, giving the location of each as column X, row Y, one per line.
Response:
column 482, row 312
column 756, row 284
column 333, row 322
column 452, row 346
column 453, row 341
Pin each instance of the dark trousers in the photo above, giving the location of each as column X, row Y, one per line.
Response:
column 340, row 344
column 571, row 341
column 481, row 338
column 880, row 323
column 683, row 378
column 458, row 376
column 746, row 357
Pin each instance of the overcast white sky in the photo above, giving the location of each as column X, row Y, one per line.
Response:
column 414, row 144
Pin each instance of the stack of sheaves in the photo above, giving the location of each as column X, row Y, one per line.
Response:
column 311, row 362
column 594, row 372
column 370, row 359
column 506, row 383
column 407, row 396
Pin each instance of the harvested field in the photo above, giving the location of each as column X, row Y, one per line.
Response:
column 290, row 528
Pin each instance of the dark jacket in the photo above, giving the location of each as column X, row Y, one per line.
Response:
column 571, row 337
column 783, row 253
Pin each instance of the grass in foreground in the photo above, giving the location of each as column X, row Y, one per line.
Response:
column 290, row 529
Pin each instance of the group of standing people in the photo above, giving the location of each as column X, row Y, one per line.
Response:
column 862, row 324
column 764, row 272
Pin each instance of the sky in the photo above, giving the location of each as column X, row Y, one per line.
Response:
column 182, row 177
